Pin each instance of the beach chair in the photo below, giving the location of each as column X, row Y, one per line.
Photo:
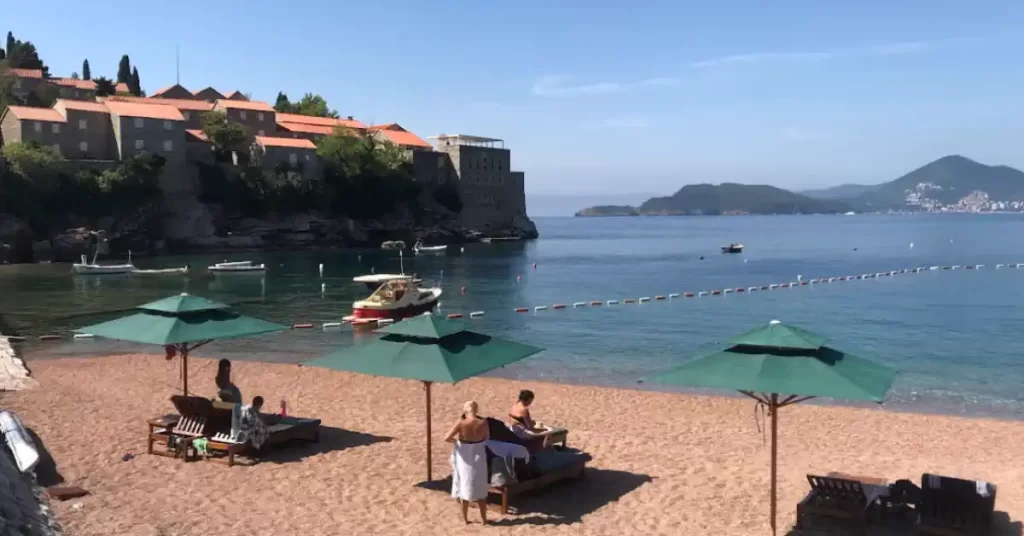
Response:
column 550, row 467
column 282, row 430
column 195, row 420
column 838, row 498
column 954, row 506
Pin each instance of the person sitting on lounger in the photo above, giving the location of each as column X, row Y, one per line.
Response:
column 227, row 391
column 523, row 425
column 251, row 427
column 469, row 461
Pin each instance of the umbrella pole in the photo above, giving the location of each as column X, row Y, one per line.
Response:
column 184, row 368
column 773, row 408
column 430, row 472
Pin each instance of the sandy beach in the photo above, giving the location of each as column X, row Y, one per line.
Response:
column 662, row 463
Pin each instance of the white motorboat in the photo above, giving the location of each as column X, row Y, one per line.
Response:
column 374, row 281
column 91, row 268
column 162, row 271
column 396, row 298
column 237, row 267
column 420, row 248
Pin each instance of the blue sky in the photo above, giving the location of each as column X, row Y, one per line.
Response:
column 603, row 97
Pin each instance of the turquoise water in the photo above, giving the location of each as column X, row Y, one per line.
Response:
column 954, row 334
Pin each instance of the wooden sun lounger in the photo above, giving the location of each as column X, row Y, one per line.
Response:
column 554, row 467
column 954, row 506
column 283, row 431
column 195, row 420
column 840, row 496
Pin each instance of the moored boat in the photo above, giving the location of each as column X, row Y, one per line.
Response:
column 237, row 267
column 374, row 281
column 91, row 268
column 420, row 248
column 733, row 248
column 397, row 297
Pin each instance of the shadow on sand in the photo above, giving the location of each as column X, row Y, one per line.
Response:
column 46, row 470
column 1001, row 526
column 331, row 439
column 562, row 503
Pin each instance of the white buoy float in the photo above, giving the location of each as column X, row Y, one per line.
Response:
column 331, row 325
column 579, row 304
column 83, row 335
column 613, row 302
column 321, row 270
column 540, row 308
column 476, row 314
column 674, row 295
column 642, row 300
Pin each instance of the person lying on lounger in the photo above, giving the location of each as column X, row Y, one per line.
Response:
column 523, row 425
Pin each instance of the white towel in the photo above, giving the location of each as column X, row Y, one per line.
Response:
column 469, row 471
column 502, row 449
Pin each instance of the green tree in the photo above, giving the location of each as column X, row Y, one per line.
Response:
column 41, row 165
column 86, row 73
column 124, row 71
column 134, row 86
column 134, row 180
column 23, row 55
column 310, row 104
column 282, row 104
column 104, row 86
column 74, row 75
column 224, row 134
column 11, row 43
column 3, row 55
column 344, row 153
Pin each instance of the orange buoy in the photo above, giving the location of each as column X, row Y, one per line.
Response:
column 740, row 289
column 595, row 303
column 764, row 287
column 629, row 300
column 302, row 326
column 802, row 283
column 522, row 310
column 49, row 337
column 455, row 315
column 558, row 306
column 688, row 295
column 716, row 292
column 463, row 290
column 659, row 297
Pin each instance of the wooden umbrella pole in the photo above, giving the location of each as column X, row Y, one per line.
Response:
column 774, row 409
column 184, row 368
column 430, row 469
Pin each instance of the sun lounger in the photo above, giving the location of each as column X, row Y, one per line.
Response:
column 954, row 506
column 284, row 430
column 551, row 467
column 195, row 419
column 839, row 497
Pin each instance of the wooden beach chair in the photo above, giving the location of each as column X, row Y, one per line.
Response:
column 195, row 419
column 551, row 466
column 954, row 506
column 282, row 430
column 840, row 497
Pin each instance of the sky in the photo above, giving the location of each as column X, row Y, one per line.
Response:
column 602, row 98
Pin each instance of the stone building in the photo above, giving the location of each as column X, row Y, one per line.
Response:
column 44, row 126
column 286, row 155
column 89, row 134
column 259, row 118
column 73, row 88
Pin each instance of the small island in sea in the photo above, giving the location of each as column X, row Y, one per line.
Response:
column 724, row 199
column 609, row 210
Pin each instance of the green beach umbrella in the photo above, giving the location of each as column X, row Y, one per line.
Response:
column 184, row 322
column 779, row 365
column 429, row 349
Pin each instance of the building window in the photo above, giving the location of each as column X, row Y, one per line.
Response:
column 167, row 125
column 139, row 122
column 82, row 124
column 440, row 162
column 83, row 146
column 259, row 116
column 307, row 158
column 168, row 146
column 485, row 162
column 501, row 180
column 38, row 127
column 55, row 128
column 293, row 158
column 56, row 148
column 17, row 83
column 242, row 115
column 261, row 133
column 186, row 115
column 140, row 145
column 499, row 165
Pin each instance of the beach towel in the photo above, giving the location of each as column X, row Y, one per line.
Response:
column 251, row 427
column 469, row 471
column 502, row 449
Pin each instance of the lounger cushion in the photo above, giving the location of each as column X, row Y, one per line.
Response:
column 553, row 460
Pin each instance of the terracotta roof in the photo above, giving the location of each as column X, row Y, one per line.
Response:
column 197, row 134
column 294, row 143
column 148, row 111
column 387, row 126
column 255, row 106
column 27, row 73
column 121, row 87
column 323, row 121
column 403, row 138
column 37, row 114
column 181, row 104
column 163, row 90
column 75, row 83
column 306, row 129
column 83, row 106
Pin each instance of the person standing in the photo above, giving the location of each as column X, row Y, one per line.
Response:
column 469, row 461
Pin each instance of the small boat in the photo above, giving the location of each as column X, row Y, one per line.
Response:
column 162, row 271
column 396, row 298
column 374, row 281
column 393, row 244
column 733, row 248
column 850, row 214
column 237, row 267
column 91, row 268
column 420, row 248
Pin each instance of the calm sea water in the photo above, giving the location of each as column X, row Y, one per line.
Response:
column 955, row 335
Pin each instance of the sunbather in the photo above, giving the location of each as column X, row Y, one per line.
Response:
column 227, row 391
column 523, row 425
column 469, row 461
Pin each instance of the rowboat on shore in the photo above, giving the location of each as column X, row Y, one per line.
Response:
column 237, row 267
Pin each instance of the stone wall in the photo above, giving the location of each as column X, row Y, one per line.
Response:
column 14, row 376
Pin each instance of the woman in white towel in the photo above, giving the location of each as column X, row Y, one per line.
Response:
column 469, row 461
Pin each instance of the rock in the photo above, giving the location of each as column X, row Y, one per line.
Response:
column 42, row 251
column 15, row 240
column 70, row 245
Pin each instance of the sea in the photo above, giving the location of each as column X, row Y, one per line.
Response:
column 955, row 335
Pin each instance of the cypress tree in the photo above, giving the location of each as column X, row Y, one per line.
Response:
column 124, row 70
column 86, row 73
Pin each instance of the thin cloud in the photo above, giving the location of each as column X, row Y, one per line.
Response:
column 563, row 86
column 763, row 57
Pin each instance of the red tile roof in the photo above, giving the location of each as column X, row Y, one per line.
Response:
column 181, row 104
column 403, row 138
column 75, row 83
column 27, row 73
column 255, row 106
column 37, row 114
column 322, row 121
column 83, row 106
column 387, row 126
column 197, row 134
column 306, row 129
column 121, row 87
column 148, row 111
column 294, row 143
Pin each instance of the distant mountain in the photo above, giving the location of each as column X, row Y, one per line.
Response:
column 951, row 183
column 544, row 204
column 843, row 191
column 727, row 198
column 731, row 198
column 609, row 210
